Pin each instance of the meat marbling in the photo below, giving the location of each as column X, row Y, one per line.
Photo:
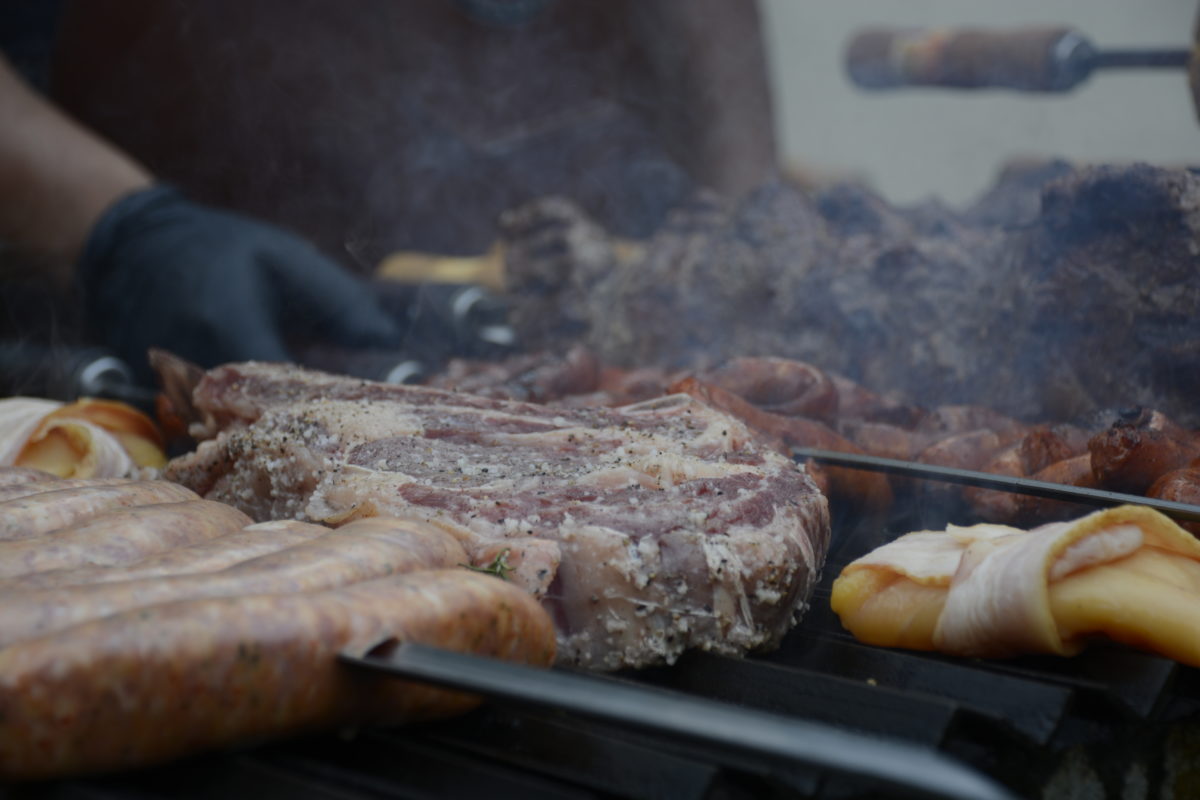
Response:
column 645, row 530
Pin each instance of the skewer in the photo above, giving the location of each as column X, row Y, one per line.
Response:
column 727, row 727
column 1031, row 59
column 985, row 480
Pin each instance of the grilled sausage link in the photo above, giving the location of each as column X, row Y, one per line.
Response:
column 1179, row 486
column 210, row 555
column 121, row 536
column 362, row 550
column 32, row 516
column 884, row 440
column 1037, row 450
column 970, row 450
column 779, row 385
column 945, row 421
column 170, row 680
column 1134, row 452
column 1074, row 471
column 30, row 488
column 14, row 476
column 856, row 402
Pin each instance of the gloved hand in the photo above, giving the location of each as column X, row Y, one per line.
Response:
column 214, row 287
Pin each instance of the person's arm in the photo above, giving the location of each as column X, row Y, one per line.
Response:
column 713, row 99
column 56, row 177
column 155, row 269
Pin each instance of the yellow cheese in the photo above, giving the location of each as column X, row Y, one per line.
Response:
column 1128, row 574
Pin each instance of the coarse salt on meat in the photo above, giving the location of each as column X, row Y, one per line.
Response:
column 645, row 530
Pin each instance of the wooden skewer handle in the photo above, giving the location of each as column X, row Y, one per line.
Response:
column 1036, row 59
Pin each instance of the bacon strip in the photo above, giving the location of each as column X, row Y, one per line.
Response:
column 1128, row 573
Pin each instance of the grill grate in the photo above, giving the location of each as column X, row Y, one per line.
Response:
column 1109, row 719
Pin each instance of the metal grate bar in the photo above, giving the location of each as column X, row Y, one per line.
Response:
column 1133, row 682
column 580, row 754
column 823, row 697
column 895, row 764
column 412, row 766
column 1032, row 709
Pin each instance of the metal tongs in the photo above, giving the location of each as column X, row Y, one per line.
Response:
column 722, row 726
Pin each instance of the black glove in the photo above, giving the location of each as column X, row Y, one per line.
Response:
column 214, row 287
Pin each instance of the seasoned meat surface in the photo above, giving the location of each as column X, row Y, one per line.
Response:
column 645, row 530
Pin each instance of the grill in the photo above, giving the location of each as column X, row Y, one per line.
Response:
column 1111, row 722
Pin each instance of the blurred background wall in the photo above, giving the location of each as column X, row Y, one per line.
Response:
column 917, row 143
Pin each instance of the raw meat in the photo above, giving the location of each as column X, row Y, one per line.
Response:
column 645, row 530
column 160, row 682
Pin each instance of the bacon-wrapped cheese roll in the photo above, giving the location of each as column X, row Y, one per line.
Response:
column 1128, row 573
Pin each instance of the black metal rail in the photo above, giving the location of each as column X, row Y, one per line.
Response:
column 893, row 764
column 1005, row 483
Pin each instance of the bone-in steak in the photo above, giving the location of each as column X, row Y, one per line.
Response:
column 645, row 530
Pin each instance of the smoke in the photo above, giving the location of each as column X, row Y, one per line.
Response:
column 1081, row 307
column 372, row 126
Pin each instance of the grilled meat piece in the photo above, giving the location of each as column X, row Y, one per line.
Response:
column 1180, row 486
column 1086, row 303
column 30, row 516
column 16, row 476
column 1074, row 471
column 1035, row 451
column 361, row 551
column 157, row 683
column 120, row 536
column 646, row 530
column 1137, row 450
column 780, row 386
column 209, row 555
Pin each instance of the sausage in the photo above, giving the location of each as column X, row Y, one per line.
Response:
column 869, row 491
column 15, row 476
column 155, row 684
column 952, row 420
column 207, row 556
column 855, row 402
column 362, row 550
column 1074, row 471
column 20, row 490
column 1131, row 454
column 970, row 450
column 884, row 440
column 121, row 536
column 36, row 514
column 1037, row 450
column 1179, row 486
column 779, row 385
column 992, row 505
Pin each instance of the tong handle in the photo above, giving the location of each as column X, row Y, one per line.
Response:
column 1032, row 59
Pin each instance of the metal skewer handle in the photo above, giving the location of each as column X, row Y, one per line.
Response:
column 1032, row 59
